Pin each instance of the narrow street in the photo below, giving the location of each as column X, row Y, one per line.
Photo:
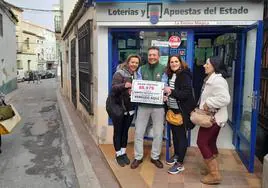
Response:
column 36, row 154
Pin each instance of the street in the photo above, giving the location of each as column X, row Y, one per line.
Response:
column 36, row 153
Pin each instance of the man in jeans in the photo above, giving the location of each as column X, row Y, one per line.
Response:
column 153, row 71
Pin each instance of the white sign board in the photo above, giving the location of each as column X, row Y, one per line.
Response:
column 182, row 11
column 150, row 92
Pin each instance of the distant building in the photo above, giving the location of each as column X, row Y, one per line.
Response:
column 8, row 70
column 58, row 25
column 36, row 45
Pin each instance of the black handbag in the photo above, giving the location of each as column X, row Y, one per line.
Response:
column 114, row 108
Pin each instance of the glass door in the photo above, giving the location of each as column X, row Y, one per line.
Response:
column 246, row 125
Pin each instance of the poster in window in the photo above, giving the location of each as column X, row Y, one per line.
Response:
column 121, row 44
column 131, row 43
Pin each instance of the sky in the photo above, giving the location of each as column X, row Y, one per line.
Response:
column 44, row 19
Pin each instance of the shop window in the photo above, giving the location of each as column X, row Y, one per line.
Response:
column 138, row 42
column 85, row 66
column 1, row 25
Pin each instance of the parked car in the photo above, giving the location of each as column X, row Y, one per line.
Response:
column 21, row 75
column 48, row 74
column 42, row 74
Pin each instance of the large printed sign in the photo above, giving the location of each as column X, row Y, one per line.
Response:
column 150, row 92
column 181, row 12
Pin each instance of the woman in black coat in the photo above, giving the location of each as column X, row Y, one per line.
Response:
column 180, row 100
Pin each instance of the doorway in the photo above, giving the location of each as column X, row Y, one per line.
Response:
column 225, row 46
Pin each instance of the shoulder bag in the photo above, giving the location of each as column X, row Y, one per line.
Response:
column 202, row 118
column 6, row 111
column 114, row 109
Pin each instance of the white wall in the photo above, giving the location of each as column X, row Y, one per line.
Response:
column 49, row 45
column 68, row 6
column 24, row 58
column 104, row 131
column 8, row 69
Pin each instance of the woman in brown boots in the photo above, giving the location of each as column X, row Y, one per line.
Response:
column 214, row 98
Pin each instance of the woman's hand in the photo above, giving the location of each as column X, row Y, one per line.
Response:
column 167, row 90
column 128, row 85
column 205, row 107
column 129, row 91
column 165, row 98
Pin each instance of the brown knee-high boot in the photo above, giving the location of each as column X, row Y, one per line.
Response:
column 214, row 176
column 204, row 166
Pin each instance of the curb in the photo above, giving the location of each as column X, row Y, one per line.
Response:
column 83, row 168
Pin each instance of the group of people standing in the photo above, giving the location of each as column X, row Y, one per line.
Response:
column 178, row 97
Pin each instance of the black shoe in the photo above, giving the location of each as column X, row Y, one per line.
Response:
column 135, row 163
column 0, row 150
column 120, row 160
column 126, row 159
column 157, row 163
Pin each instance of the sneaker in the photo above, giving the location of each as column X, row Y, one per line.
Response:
column 172, row 160
column 120, row 160
column 176, row 168
column 126, row 159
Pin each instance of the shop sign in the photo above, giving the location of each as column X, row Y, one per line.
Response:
column 174, row 41
column 150, row 92
column 176, row 12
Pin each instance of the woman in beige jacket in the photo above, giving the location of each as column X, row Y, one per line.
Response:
column 214, row 98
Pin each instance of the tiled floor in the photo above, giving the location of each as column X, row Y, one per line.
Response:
column 233, row 171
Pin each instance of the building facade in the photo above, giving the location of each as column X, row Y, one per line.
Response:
column 36, row 45
column 97, row 36
column 36, row 48
column 8, row 69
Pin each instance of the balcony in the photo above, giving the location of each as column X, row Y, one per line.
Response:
column 57, row 24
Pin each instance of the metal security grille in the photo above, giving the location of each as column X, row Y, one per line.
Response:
column 85, row 65
column 73, row 71
column 263, row 116
column 1, row 25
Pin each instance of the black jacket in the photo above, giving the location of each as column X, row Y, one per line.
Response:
column 183, row 92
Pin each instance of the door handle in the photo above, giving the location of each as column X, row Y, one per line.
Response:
column 255, row 99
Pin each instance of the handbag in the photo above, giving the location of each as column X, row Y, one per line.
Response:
column 6, row 112
column 113, row 108
column 202, row 118
column 174, row 119
column 7, row 125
